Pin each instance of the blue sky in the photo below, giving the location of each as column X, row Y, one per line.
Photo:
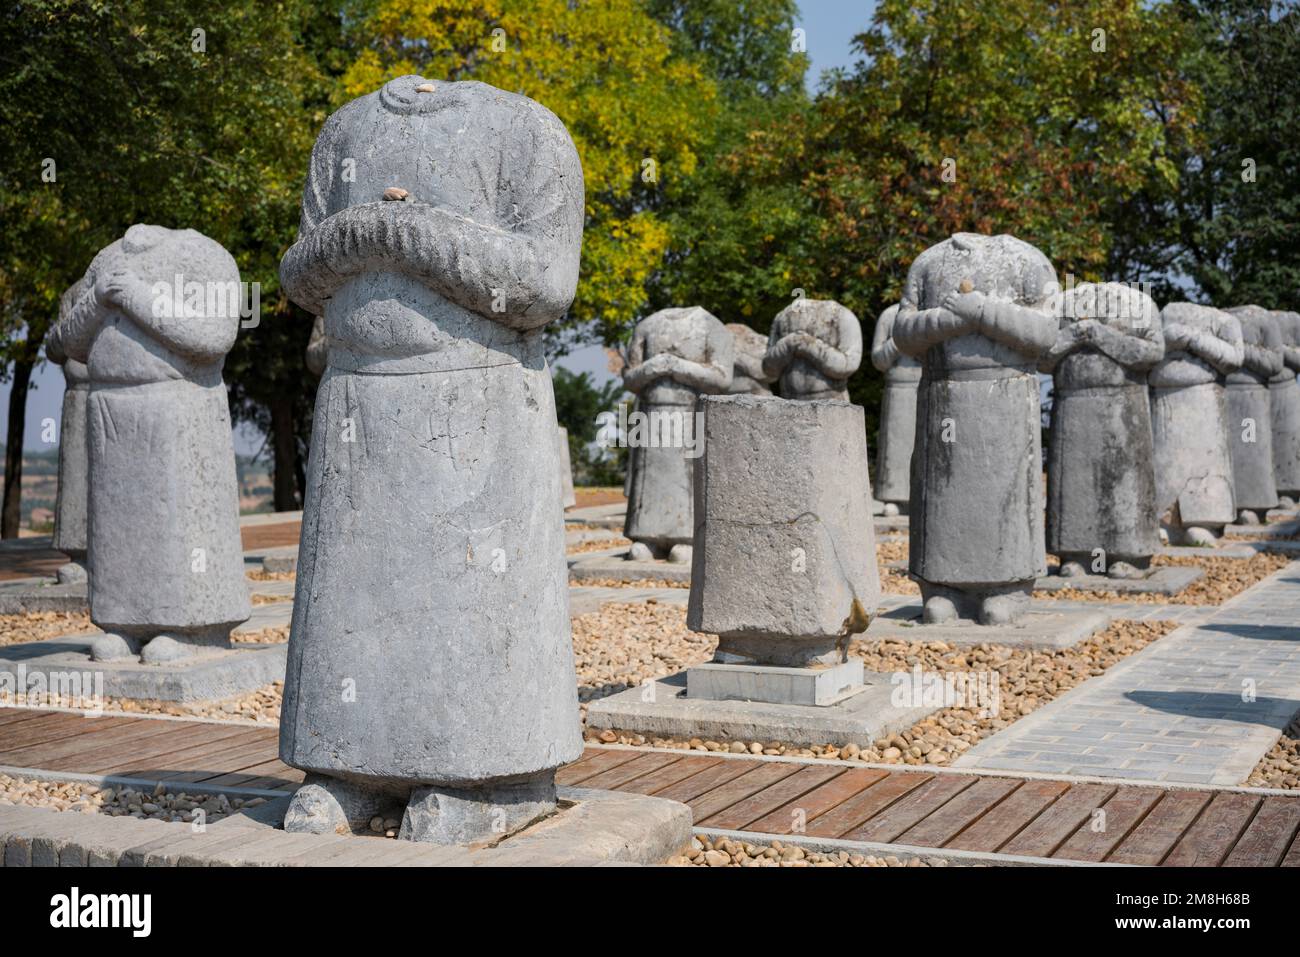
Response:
column 829, row 26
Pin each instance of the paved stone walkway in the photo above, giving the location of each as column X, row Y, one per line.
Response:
column 1175, row 710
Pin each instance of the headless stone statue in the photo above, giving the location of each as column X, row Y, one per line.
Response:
column 1101, row 513
column 814, row 346
column 317, row 356
column 153, row 320
column 748, row 377
column 976, row 310
column 897, row 415
column 675, row 355
column 1284, row 398
column 74, row 457
column 430, row 668
column 568, row 498
column 1250, row 413
column 1189, row 421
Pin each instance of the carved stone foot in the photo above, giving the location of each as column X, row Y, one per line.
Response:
column 640, row 552
column 1199, row 537
column 1125, row 571
column 1071, row 570
column 680, row 554
column 891, row 509
column 1002, row 609
column 113, row 647
column 1247, row 517
column 440, row 815
column 1285, row 502
column 164, row 649
column 326, row 805
column 939, row 610
column 73, row 573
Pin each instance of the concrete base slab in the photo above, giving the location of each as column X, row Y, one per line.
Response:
column 1163, row 580
column 282, row 558
column 1275, row 530
column 775, row 685
column 601, row 516
column 1034, row 629
column 890, row 523
column 25, row 595
column 613, row 565
column 661, row 708
column 583, row 600
column 592, row 828
column 215, row 674
column 1223, row 550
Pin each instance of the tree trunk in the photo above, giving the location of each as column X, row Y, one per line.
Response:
column 285, row 443
column 13, row 494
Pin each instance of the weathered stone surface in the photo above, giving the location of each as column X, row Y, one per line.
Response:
column 568, row 497
column 676, row 355
column 317, row 348
column 434, row 444
column 464, row 815
column 747, row 376
column 1100, row 472
column 893, row 484
column 1189, row 421
column 152, row 320
column 1284, row 400
column 74, row 457
column 1250, row 412
column 814, row 346
column 976, row 310
column 785, row 570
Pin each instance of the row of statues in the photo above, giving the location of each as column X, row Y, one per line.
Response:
column 429, row 667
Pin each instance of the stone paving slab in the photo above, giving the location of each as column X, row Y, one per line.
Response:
column 1174, row 711
column 1130, row 610
column 612, row 564
column 1054, row 626
column 1163, row 580
column 662, row 708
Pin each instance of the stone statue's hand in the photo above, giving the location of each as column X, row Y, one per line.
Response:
column 801, row 342
column 965, row 305
column 1176, row 335
column 115, row 286
column 1087, row 330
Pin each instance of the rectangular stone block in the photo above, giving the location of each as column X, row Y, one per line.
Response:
column 784, row 556
column 775, row 685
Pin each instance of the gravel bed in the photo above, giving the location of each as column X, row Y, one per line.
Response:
column 160, row 804
column 1280, row 768
column 258, row 575
column 725, row 852
column 269, row 599
column 598, row 545
column 267, row 636
column 1223, row 579
column 1028, row 679
column 261, row 706
column 636, row 583
column 40, row 625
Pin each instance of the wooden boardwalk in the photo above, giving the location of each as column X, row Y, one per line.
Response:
column 972, row 812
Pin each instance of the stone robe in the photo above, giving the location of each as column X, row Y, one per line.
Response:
column 431, row 575
column 897, row 412
column 1250, row 410
column 1284, row 401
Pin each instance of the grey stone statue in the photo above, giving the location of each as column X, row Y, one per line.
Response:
column 1189, row 422
column 1284, row 398
column 814, row 346
column 897, row 415
column 317, row 356
column 429, row 663
column 747, row 376
column 1101, row 487
column 977, row 311
column 153, row 320
column 568, row 497
column 1250, row 413
column 74, row 457
column 675, row 355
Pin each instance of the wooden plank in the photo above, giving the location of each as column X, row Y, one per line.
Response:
column 287, row 782
column 214, row 764
column 940, row 827
column 668, row 775
column 154, row 749
column 1269, row 835
column 574, row 767
column 12, row 716
column 1292, row 858
column 784, row 793
column 61, row 743
column 688, row 789
column 852, row 812
column 897, row 818
column 275, row 770
column 589, row 767
column 758, row 775
column 1098, row 836
column 1207, row 842
column 1009, row 817
column 1160, row 830
column 643, row 764
column 1054, row 826
column 77, row 753
column 190, row 758
column 55, row 728
column 818, row 801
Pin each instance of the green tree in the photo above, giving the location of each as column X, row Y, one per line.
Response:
column 184, row 113
column 578, row 400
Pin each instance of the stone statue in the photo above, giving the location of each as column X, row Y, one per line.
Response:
column 153, row 320
column 317, row 348
column 675, row 355
column 1284, row 399
column 747, row 376
column 429, row 661
column 1189, row 421
column 1250, row 413
column 897, row 415
column 1101, row 487
column 568, row 498
column 977, row 311
column 814, row 346
column 74, row 461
